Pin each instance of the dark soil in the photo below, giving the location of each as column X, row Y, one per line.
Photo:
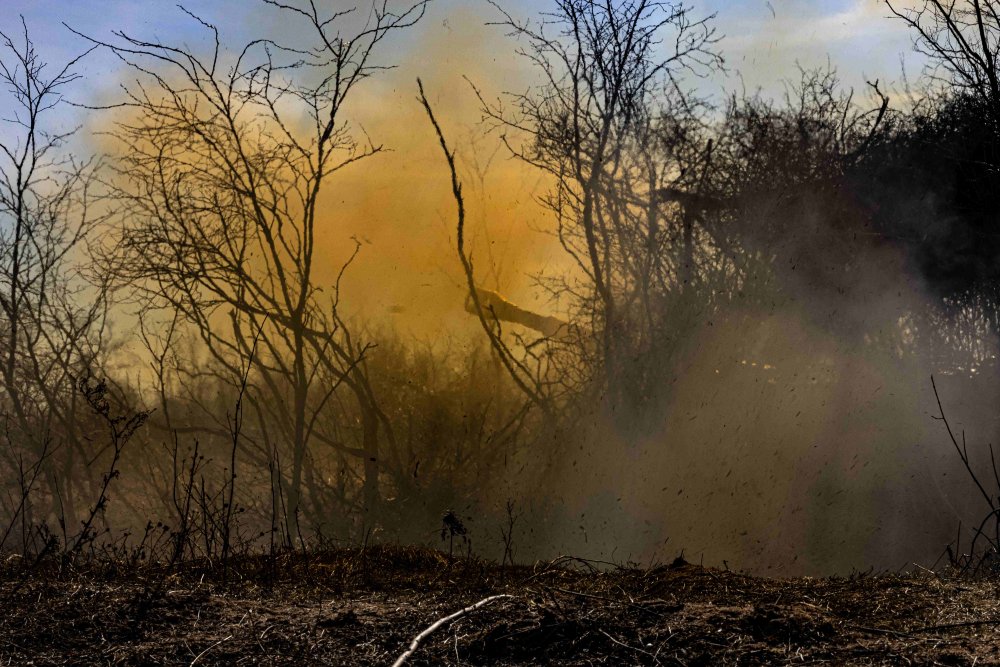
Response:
column 364, row 607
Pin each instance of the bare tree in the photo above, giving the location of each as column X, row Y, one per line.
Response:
column 613, row 123
column 221, row 184
column 961, row 39
column 54, row 317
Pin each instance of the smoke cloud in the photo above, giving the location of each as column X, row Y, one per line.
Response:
column 816, row 454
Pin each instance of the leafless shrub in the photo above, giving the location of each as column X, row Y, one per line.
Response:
column 54, row 312
column 982, row 553
column 507, row 532
column 219, row 187
column 613, row 123
column 121, row 427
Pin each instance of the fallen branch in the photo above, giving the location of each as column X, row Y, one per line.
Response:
column 199, row 656
column 630, row 648
column 415, row 644
column 640, row 606
column 880, row 631
column 952, row 626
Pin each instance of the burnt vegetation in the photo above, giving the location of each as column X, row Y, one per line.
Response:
column 207, row 457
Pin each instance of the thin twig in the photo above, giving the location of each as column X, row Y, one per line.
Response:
column 603, row 598
column 880, row 631
column 966, row 624
column 961, row 449
column 198, row 657
column 415, row 644
column 630, row 648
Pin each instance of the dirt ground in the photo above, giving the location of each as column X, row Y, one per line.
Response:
column 364, row 607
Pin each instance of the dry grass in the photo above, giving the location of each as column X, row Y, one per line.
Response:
column 362, row 607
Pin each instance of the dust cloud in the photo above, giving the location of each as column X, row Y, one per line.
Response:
column 785, row 444
column 789, row 442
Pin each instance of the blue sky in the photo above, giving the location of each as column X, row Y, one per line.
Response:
column 763, row 40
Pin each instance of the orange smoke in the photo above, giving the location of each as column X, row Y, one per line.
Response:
column 399, row 203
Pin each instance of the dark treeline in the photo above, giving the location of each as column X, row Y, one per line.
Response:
column 722, row 253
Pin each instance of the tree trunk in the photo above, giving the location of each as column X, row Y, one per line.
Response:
column 370, row 491
column 300, row 388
